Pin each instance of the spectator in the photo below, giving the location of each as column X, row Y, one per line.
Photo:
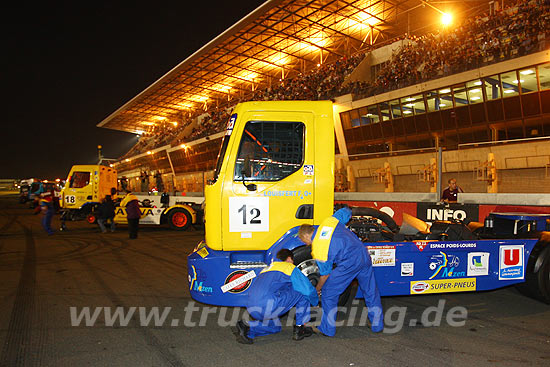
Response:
column 450, row 194
column 144, row 177
column 517, row 30
column 124, row 183
column 158, row 182
column 114, row 194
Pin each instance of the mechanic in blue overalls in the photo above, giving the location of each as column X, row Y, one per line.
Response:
column 341, row 257
column 275, row 291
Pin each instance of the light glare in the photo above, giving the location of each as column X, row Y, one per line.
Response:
column 446, row 19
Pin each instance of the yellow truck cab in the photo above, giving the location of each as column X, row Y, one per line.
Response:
column 266, row 179
column 275, row 171
column 84, row 189
column 87, row 184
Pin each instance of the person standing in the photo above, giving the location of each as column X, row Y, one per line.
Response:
column 106, row 214
column 341, row 257
column 450, row 194
column 158, row 182
column 278, row 289
column 46, row 207
column 144, row 181
column 131, row 203
column 124, row 183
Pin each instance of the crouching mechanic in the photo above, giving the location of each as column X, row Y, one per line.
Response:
column 341, row 257
column 275, row 291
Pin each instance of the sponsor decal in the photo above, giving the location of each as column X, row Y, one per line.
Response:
column 407, row 269
column 203, row 252
column 454, row 246
column 196, row 281
column 445, row 266
column 511, row 262
column 199, row 287
column 231, row 124
column 419, row 287
column 308, row 170
column 238, row 281
column 382, row 255
column 478, row 264
column 443, row 285
column 144, row 211
column 421, row 245
column 293, row 193
column 325, row 232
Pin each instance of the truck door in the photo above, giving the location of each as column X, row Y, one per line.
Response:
column 268, row 188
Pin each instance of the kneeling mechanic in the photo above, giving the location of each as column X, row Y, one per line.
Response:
column 276, row 290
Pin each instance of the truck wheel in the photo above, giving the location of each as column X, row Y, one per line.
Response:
column 537, row 277
column 91, row 218
column 179, row 219
column 308, row 266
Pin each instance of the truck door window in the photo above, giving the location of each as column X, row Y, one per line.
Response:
column 79, row 180
column 273, row 150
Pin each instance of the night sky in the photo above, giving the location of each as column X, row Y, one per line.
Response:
column 68, row 65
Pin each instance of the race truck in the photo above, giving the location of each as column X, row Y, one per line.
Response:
column 275, row 171
column 30, row 190
column 24, row 187
column 87, row 185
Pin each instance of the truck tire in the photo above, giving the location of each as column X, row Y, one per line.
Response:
column 537, row 274
column 304, row 262
column 179, row 219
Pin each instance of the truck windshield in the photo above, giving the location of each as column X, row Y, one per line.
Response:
column 79, row 180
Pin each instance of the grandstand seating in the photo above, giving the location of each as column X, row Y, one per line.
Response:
column 408, row 120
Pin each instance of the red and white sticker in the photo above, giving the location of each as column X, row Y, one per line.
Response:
column 421, row 245
column 238, row 281
column 419, row 287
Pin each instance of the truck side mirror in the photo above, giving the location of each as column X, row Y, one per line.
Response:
column 247, row 172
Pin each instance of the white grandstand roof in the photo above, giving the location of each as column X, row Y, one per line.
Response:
column 279, row 39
